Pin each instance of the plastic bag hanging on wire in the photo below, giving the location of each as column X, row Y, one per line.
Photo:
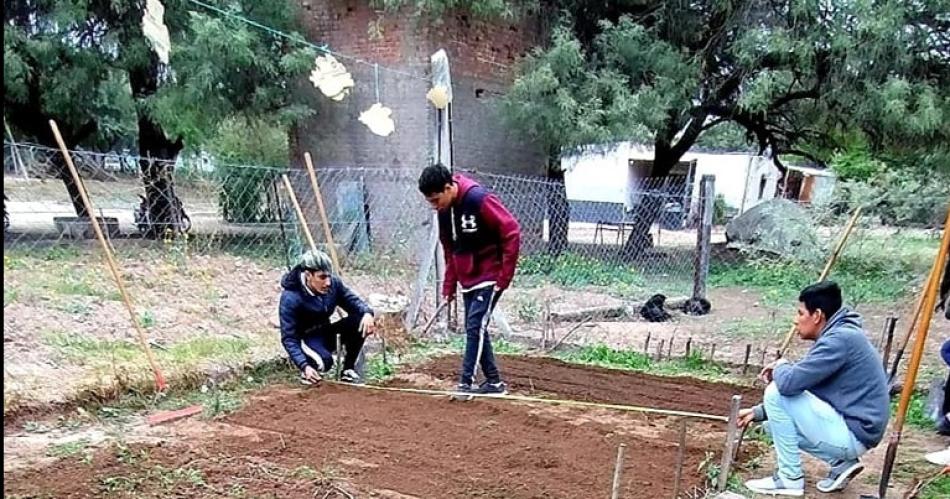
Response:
column 378, row 118
column 154, row 29
column 331, row 77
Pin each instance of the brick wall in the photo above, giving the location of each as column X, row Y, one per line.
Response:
column 482, row 58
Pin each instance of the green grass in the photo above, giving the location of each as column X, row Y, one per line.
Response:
column 68, row 449
column 863, row 281
column 600, row 355
column 86, row 350
column 751, row 328
column 217, row 400
column 939, row 488
column 916, row 412
column 499, row 345
column 101, row 352
column 10, row 295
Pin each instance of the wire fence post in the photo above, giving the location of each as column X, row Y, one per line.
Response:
column 707, row 189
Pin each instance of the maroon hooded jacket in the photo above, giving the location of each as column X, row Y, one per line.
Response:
column 480, row 237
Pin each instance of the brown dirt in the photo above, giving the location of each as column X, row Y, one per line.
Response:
column 576, row 382
column 379, row 444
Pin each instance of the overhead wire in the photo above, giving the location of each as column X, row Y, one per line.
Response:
column 303, row 41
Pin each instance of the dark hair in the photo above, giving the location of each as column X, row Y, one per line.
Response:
column 824, row 296
column 434, row 179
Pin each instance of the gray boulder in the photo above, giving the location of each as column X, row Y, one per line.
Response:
column 777, row 226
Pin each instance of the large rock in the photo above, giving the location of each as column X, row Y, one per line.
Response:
column 776, row 226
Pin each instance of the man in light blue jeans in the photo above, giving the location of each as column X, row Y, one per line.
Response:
column 833, row 404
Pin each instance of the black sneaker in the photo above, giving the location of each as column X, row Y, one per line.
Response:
column 493, row 387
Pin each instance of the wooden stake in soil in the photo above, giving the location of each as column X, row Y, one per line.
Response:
column 646, row 345
column 929, row 299
column 659, row 351
column 303, row 221
column 327, row 233
column 689, row 342
column 339, row 358
column 712, row 353
column 824, row 272
column 680, row 454
column 888, row 338
column 729, row 449
column 160, row 384
column 618, row 472
column 910, row 332
column 745, row 360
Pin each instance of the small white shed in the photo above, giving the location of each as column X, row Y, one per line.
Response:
column 613, row 173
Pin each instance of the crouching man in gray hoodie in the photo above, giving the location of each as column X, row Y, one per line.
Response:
column 832, row 404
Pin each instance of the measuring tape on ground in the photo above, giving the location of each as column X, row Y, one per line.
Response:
column 537, row 400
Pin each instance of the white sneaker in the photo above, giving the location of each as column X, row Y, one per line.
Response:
column 351, row 376
column 940, row 458
column 775, row 485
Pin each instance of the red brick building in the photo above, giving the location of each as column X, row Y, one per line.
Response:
column 483, row 56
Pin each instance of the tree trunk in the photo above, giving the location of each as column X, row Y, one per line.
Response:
column 649, row 207
column 157, row 156
column 559, row 211
column 161, row 204
column 62, row 171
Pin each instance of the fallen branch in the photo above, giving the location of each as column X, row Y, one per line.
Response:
column 605, row 312
column 575, row 328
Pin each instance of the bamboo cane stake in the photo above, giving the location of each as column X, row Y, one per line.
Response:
column 827, row 270
column 160, row 384
column 327, row 233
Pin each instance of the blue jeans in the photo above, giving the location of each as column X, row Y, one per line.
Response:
column 477, row 310
column 805, row 422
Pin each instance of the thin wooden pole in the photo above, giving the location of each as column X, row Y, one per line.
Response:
column 659, row 353
column 827, row 270
column 910, row 332
column 888, row 338
column 327, row 233
column 689, row 344
column 680, row 454
column 729, row 449
column 303, row 221
column 160, row 384
column 646, row 345
column 339, row 357
column 929, row 300
column 618, row 472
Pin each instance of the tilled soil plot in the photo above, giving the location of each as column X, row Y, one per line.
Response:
column 297, row 442
column 595, row 384
column 373, row 444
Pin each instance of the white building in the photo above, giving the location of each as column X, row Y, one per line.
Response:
column 612, row 174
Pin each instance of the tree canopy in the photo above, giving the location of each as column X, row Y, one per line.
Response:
column 799, row 77
column 87, row 65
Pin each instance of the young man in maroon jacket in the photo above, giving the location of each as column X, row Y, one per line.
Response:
column 481, row 240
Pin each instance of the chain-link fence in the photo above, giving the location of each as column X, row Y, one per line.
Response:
column 203, row 246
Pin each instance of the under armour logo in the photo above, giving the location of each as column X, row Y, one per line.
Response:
column 468, row 223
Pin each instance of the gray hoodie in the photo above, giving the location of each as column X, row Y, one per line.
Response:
column 844, row 370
